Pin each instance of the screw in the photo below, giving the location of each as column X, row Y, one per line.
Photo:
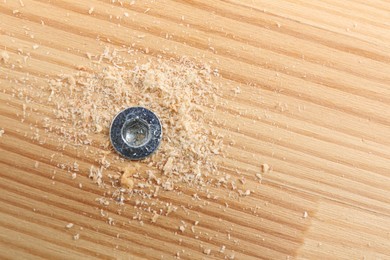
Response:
column 135, row 133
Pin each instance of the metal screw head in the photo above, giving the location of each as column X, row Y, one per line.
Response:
column 135, row 133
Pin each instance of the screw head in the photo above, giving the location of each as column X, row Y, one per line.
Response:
column 135, row 133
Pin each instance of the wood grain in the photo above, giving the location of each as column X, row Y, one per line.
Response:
column 314, row 104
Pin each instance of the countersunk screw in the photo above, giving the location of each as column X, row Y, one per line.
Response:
column 135, row 133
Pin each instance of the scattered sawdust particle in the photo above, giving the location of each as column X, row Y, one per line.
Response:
column 182, row 228
column 89, row 55
column 155, row 217
column 36, row 165
column 237, row 90
column 171, row 209
column 207, row 251
column 76, row 237
column 70, row 225
column 168, row 185
column 305, row 214
column 244, row 193
column 75, row 167
column 265, row 168
column 1, row 132
column 157, row 188
column 168, row 166
column 103, row 201
column 4, row 56
column 127, row 178
column 35, row 46
column 223, row 247
column 90, row 11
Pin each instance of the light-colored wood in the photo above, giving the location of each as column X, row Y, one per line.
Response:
column 315, row 105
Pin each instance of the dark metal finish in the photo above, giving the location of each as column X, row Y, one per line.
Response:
column 135, row 133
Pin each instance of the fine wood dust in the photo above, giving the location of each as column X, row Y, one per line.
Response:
column 178, row 91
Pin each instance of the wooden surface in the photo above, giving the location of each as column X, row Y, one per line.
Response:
column 314, row 105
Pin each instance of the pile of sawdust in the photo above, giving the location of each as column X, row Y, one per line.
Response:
column 177, row 91
column 180, row 92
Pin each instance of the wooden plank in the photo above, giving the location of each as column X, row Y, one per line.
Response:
column 313, row 104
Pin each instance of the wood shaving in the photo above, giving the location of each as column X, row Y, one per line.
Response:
column 265, row 168
column 155, row 217
column 168, row 166
column 259, row 176
column 174, row 90
column 244, row 193
column 96, row 174
column 207, row 251
column 110, row 221
column 70, row 225
column 181, row 93
column 127, row 178
column 4, row 57
column 182, row 228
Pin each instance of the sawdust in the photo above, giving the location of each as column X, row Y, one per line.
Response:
column 4, row 57
column 180, row 92
column 69, row 225
column 127, row 178
column 176, row 90
column 265, row 168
